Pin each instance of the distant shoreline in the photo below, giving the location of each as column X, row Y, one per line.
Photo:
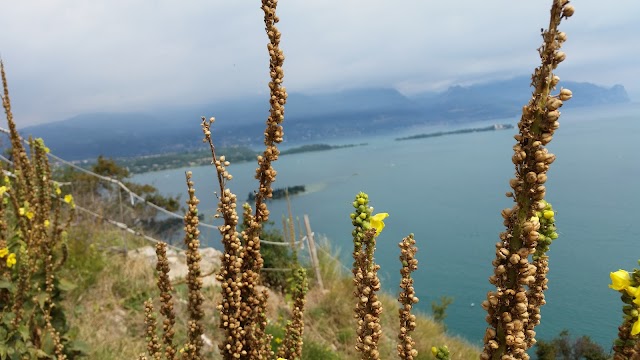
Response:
column 317, row 147
column 236, row 154
column 494, row 127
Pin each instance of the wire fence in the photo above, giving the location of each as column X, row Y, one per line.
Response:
column 134, row 197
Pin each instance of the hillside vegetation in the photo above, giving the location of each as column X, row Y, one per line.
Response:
column 106, row 309
column 70, row 289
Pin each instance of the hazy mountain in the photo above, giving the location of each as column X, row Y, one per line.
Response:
column 309, row 118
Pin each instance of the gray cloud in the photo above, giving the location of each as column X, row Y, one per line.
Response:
column 65, row 57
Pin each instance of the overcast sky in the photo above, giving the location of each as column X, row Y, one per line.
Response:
column 65, row 57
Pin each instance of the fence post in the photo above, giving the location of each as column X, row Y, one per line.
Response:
column 312, row 251
column 124, row 238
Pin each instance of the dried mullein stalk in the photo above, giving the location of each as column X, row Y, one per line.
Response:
column 167, row 310
column 368, row 308
column 194, row 281
column 243, row 306
column 153, row 343
column 230, row 276
column 513, row 309
column 266, row 175
column 291, row 348
column 406, row 344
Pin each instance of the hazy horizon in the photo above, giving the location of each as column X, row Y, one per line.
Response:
column 65, row 59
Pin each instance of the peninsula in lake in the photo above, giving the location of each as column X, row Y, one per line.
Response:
column 457, row 132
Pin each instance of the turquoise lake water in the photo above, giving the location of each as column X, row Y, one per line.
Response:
column 448, row 191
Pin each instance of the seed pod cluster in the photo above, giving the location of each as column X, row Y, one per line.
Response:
column 406, row 344
column 278, row 97
column 520, row 266
column 291, row 347
column 253, row 320
column 167, row 310
column 243, row 306
column 195, row 328
column 367, row 284
column 153, row 343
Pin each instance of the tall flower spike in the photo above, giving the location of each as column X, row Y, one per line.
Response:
column 165, row 287
column 153, row 345
column 627, row 345
column 406, row 344
column 291, row 348
column 232, row 285
column 194, row 344
column 368, row 308
column 39, row 239
column 255, row 324
column 513, row 308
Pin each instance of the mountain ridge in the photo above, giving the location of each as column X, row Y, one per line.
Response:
column 344, row 114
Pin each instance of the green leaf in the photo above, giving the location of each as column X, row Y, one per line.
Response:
column 24, row 332
column 66, row 285
column 4, row 284
column 78, row 347
column 38, row 354
column 42, row 298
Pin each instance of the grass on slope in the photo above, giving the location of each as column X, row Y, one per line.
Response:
column 106, row 309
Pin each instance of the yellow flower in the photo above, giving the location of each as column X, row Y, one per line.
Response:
column 3, row 189
column 21, row 211
column 58, row 191
column 620, row 280
column 69, row 200
column 434, row 351
column 635, row 330
column 3, row 252
column 635, row 293
column 277, row 340
column 30, row 214
column 377, row 223
column 46, row 223
column 11, row 260
column 548, row 214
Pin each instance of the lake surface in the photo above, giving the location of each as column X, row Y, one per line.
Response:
column 448, row 191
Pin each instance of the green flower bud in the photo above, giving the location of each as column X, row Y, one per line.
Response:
column 618, row 342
